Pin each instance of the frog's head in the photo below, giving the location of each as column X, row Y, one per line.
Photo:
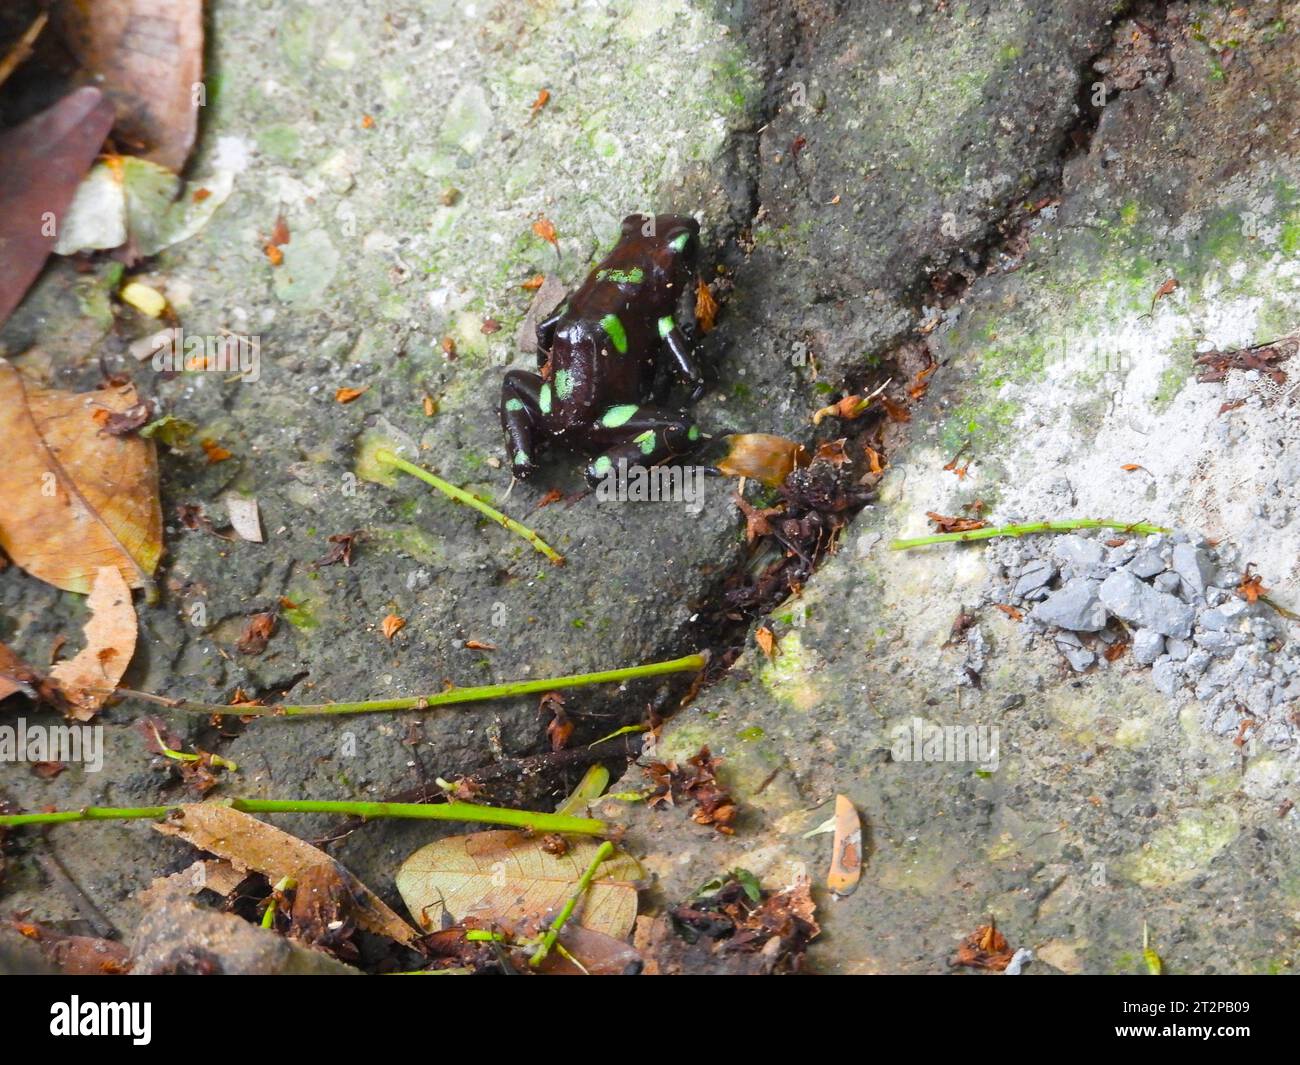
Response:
column 679, row 233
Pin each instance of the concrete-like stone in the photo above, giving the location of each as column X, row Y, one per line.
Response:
column 1139, row 604
column 1076, row 606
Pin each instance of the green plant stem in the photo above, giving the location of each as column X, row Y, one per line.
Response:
column 991, row 532
column 447, row 811
column 453, row 696
column 383, row 455
column 604, row 851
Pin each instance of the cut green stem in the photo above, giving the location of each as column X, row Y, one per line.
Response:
column 447, row 811
column 1067, row 525
column 689, row 663
column 387, row 458
column 604, row 851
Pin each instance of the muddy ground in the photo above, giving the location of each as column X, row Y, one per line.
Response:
column 999, row 188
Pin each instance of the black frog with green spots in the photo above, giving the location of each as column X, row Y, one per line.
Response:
column 607, row 345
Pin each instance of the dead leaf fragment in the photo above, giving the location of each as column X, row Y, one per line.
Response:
column 73, row 499
column 985, row 948
column 245, row 518
column 543, row 97
column 347, row 395
column 846, row 856
column 250, row 844
column 762, row 457
column 952, row 524
column 257, row 631
column 766, row 640
column 214, row 451
column 110, row 642
column 391, row 625
column 147, row 55
column 706, row 307
column 505, row 878
column 545, row 229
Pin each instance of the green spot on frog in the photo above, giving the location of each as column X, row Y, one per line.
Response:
column 616, row 416
column 563, row 383
column 614, row 330
column 514, row 404
column 602, row 466
column 544, row 398
column 679, row 242
column 693, row 433
column 666, row 325
column 521, row 458
column 646, row 441
column 623, row 277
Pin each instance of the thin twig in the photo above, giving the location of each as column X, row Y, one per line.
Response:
column 991, row 532
column 387, row 458
column 452, row 696
column 604, row 851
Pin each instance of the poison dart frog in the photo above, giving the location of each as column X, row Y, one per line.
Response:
column 607, row 355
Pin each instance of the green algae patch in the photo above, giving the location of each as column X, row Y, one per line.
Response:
column 1178, row 852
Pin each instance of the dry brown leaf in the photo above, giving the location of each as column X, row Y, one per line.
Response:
column 110, row 642
column 543, row 97
column 258, row 629
column 250, row 844
column 214, row 451
column 766, row 640
column 1251, row 587
column 846, row 857
column 505, row 877
column 706, row 307
column 347, row 395
column 1012, row 612
column 391, row 625
column 545, row 229
column 73, row 499
column 946, row 524
column 147, row 56
column 534, row 283
column 761, row 456
column 479, row 645
column 273, row 254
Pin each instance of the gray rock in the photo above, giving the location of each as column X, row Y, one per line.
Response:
column 1165, row 675
column 1140, row 604
column 1078, row 553
column 1178, row 649
column 1074, row 606
column 1194, row 566
column 1225, row 617
column 1169, row 583
column 1148, row 645
column 1147, row 563
column 1034, row 576
column 1196, row 663
column 1080, row 658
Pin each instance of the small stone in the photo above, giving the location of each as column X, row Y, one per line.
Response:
column 1223, row 617
column 1168, row 583
column 1193, row 565
column 1034, row 576
column 1217, row 643
column 1148, row 645
column 1178, row 649
column 1147, row 563
column 1165, row 675
column 1140, row 604
column 1196, row 663
column 1074, row 606
column 1079, row 658
column 1077, row 552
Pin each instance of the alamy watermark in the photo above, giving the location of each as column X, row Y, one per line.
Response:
column 924, row 741
column 33, row 744
column 172, row 350
column 653, row 484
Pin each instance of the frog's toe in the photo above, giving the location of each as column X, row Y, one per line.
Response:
column 522, row 465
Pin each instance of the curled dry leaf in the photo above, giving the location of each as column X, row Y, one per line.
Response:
column 766, row 640
column 846, row 858
column 762, row 456
column 505, row 878
column 392, row 625
column 950, row 525
column 706, row 307
column 245, row 518
column 545, row 229
column 258, row 629
column 73, row 499
column 148, row 57
column 110, row 642
column 250, row 844
column 45, row 159
column 347, row 395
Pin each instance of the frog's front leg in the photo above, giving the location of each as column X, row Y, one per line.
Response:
column 546, row 330
column 680, row 350
column 521, row 418
column 645, row 435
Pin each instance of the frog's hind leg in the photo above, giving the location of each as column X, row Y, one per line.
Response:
column 645, row 435
column 679, row 348
column 520, row 418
